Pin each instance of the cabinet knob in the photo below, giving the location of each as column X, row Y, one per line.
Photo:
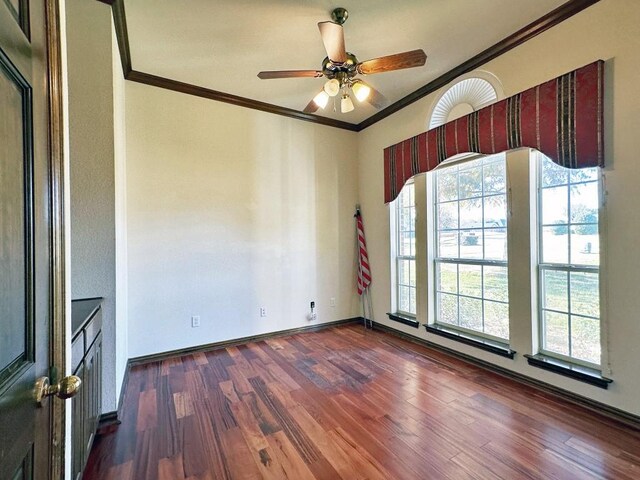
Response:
column 65, row 388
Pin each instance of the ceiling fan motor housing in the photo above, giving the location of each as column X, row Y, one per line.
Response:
column 346, row 69
column 339, row 15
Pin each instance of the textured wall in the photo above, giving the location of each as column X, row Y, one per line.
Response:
column 609, row 31
column 120, row 178
column 91, row 161
column 230, row 210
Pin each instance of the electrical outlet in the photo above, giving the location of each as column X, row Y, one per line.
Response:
column 332, row 302
column 313, row 305
column 263, row 312
column 195, row 321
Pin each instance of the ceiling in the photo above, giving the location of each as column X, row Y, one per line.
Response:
column 223, row 44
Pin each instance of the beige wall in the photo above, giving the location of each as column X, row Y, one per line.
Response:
column 610, row 31
column 120, row 213
column 91, row 164
column 229, row 210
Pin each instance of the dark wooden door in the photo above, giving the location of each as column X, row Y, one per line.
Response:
column 25, row 240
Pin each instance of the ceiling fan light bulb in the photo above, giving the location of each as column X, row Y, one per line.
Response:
column 346, row 105
column 332, row 87
column 361, row 91
column 321, row 99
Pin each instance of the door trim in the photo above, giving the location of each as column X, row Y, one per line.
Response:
column 58, row 340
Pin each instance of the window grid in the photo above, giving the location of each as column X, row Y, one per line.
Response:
column 482, row 298
column 405, row 252
column 589, row 355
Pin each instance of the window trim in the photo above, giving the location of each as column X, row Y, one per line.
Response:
column 545, row 357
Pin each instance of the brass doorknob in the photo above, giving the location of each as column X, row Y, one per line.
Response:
column 65, row 388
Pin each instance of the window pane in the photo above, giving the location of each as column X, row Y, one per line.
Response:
column 412, row 301
column 495, row 244
column 448, row 308
column 447, row 184
column 471, row 213
column 404, row 301
column 471, row 244
column 406, row 245
column 585, row 245
column 585, row 294
column 585, row 339
column 583, row 174
column 555, row 206
column 448, row 244
column 495, row 283
column 495, row 211
column 448, row 216
column 494, row 177
column 471, row 313
column 556, row 332
column 584, row 203
column 553, row 174
column 471, row 280
column 555, row 290
column 555, row 244
column 496, row 319
column 412, row 273
column 470, row 182
column 447, row 275
column 404, row 272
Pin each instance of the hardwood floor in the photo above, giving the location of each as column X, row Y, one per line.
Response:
column 347, row 403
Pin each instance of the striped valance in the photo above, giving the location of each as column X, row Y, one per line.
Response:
column 562, row 118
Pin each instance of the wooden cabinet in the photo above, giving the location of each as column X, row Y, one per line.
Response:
column 86, row 359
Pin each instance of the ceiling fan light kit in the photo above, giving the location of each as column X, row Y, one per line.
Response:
column 332, row 87
column 341, row 68
column 361, row 90
column 321, row 99
column 346, row 104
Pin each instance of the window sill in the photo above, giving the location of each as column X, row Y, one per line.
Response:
column 475, row 341
column 577, row 372
column 398, row 317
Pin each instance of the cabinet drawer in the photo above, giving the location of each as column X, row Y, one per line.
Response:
column 92, row 329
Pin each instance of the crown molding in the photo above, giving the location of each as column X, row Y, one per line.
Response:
column 189, row 89
column 554, row 17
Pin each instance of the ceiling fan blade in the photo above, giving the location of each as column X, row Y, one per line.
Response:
column 333, row 38
column 312, row 107
column 375, row 98
column 414, row 58
column 289, row 74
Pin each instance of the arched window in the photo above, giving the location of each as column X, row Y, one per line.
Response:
column 465, row 95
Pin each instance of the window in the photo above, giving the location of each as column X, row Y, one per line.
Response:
column 406, row 251
column 471, row 247
column 569, row 258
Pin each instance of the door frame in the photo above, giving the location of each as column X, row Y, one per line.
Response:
column 58, row 195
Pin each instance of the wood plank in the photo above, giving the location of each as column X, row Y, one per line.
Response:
column 147, row 410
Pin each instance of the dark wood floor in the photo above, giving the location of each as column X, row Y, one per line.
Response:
column 352, row 404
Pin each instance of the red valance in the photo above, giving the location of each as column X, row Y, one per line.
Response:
column 562, row 118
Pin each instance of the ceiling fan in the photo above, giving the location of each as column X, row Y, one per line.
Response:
column 342, row 68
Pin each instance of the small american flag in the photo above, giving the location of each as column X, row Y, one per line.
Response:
column 364, row 274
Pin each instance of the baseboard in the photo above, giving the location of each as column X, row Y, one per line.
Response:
column 612, row 413
column 236, row 341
